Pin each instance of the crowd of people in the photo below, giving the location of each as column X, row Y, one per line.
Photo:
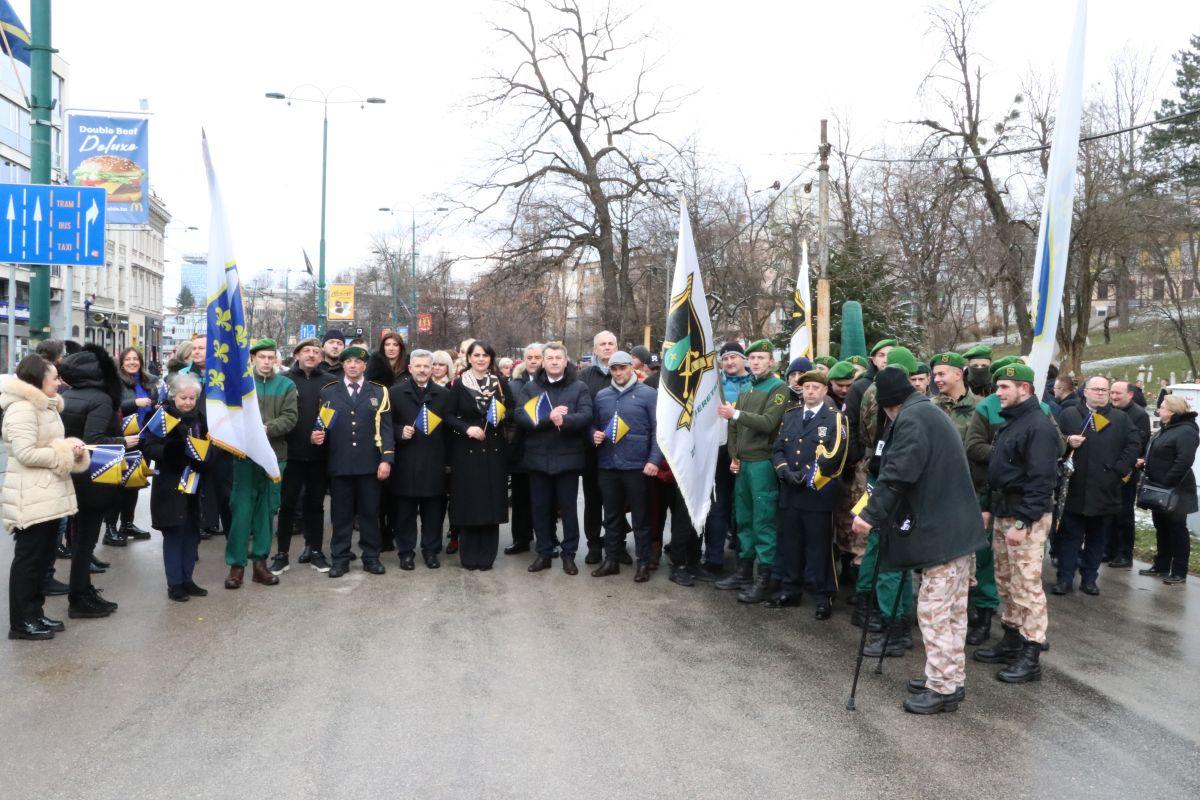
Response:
column 862, row 476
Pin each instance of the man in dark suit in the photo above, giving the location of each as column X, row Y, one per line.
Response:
column 1119, row 553
column 418, row 482
column 361, row 450
column 808, row 455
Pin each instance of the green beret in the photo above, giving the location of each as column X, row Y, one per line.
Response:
column 827, row 361
column 883, row 343
column 922, row 368
column 1004, row 362
column 1014, row 372
column 978, row 351
column 263, row 344
column 842, row 370
column 857, row 361
column 353, row 352
column 311, row 342
column 761, row 346
column 814, row 375
column 903, row 358
column 950, row 359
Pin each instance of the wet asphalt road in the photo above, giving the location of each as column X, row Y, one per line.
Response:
column 449, row 684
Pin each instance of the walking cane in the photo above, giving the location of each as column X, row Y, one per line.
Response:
column 887, row 632
column 863, row 640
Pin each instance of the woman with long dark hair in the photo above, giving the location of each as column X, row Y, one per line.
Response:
column 91, row 412
column 1169, row 458
column 37, row 489
column 389, row 363
column 139, row 396
column 479, row 457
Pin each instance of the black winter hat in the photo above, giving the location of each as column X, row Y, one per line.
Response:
column 733, row 347
column 892, row 387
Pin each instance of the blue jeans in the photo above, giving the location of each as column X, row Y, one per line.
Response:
column 180, row 544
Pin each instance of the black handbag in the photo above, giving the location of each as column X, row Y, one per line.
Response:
column 1152, row 497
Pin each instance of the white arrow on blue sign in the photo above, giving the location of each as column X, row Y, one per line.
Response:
column 52, row 224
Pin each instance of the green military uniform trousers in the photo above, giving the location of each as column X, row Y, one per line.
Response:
column 255, row 500
column 887, row 585
column 983, row 594
column 755, row 504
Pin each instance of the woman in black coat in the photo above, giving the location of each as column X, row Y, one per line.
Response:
column 181, row 515
column 387, row 366
column 139, row 396
column 91, row 412
column 478, row 458
column 1169, row 458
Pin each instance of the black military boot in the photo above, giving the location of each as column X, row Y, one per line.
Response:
column 759, row 590
column 862, row 607
column 904, row 629
column 895, row 646
column 1004, row 651
column 1026, row 668
column 981, row 631
column 740, row 578
column 930, row 702
column 113, row 537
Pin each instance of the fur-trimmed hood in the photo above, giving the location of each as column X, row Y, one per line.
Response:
column 93, row 368
column 13, row 389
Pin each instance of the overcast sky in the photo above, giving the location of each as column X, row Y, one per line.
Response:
column 763, row 74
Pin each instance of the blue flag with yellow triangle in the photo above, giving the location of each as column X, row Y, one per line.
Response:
column 189, row 481
column 107, row 463
column 427, row 421
column 324, row 418
column 538, row 408
column 129, row 426
column 616, row 429
column 1096, row 422
column 495, row 412
column 160, row 424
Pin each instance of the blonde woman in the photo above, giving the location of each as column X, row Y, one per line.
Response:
column 1168, row 463
column 37, row 488
column 443, row 368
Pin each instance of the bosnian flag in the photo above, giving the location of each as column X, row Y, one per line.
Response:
column 616, row 429
column 427, row 421
column 234, row 423
column 1054, row 234
column 538, row 408
column 495, row 412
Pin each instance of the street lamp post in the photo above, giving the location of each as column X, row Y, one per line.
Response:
column 287, row 293
column 412, row 309
column 324, row 101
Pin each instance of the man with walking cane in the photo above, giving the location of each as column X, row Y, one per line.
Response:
column 924, row 506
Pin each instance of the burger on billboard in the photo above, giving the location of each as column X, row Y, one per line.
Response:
column 112, row 152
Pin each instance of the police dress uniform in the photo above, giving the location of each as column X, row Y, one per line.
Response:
column 808, row 456
column 358, row 440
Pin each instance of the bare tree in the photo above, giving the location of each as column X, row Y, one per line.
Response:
column 578, row 147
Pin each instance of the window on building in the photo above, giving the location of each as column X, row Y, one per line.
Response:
column 1159, row 289
column 1101, row 291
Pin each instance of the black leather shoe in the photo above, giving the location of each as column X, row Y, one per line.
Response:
column 84, row 608
column 338, row 570
column 94, row 593
column 682, row 576
column 569, row 567
column 1090, row 588
column 1061, row 588
column 824, row 609
column 1120, row 563
column 1154, row 573
column 784, row 600
column 101, row 564
column 374, row 567
column 540, row 563
column 131, row 531
column 593, row 557
column 606, row 568
column 33, row 631
column 930, row 702
column 1172, row 580
column 642, row 575
column 408, row 562
column 623, row 557
column 114, row 538
column 431, row 560
column 917, row 685
column 193, row 590
column 178, row 594
column 55, row 625
column 514, row 549
column 94, row 570
column 62, row 551
column 52, row 587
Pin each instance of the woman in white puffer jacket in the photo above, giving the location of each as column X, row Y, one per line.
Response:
column 37, row 488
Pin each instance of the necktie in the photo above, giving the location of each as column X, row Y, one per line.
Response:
column 808, row 415
column 354, row 391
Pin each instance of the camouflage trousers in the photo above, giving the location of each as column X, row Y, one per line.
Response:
column 942, row 615
column 847, row 541
column 1019, row 578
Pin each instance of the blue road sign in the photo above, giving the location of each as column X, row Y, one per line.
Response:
column 52, row 224
column 308, row 332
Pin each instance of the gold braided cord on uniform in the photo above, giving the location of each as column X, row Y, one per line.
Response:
column 819, row 478
column 384, row 406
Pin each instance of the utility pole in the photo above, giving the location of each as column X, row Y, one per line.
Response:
column 823, row 245
column 40, row 105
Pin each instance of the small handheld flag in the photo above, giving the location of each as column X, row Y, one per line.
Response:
column 160, row 424
column 495, row 412
column 189, row 481
column 129, row 426
column 107, row 463
column 538, row 408
column 427, row 421
column 1095, row 422
column 162, row 392
column 137, row 471
column 325, row 417
column 197, row 448
column 616, row 429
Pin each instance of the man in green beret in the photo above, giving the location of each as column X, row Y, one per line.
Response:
column 824, row 363
column 979, row 370
column 841, row 375
column 753, row 424
column 949, row 374
column 920, row 379
column 255, row 497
